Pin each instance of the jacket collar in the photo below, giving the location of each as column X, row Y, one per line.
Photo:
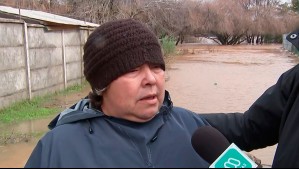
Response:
column 82, row 111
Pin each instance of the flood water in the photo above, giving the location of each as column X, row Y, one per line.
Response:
column 205, row 79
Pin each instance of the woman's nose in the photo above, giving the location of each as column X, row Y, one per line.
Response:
column 149, row 76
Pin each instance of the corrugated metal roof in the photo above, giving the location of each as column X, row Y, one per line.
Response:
column 44, row 16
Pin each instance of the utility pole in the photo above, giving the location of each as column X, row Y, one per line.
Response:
column 19, row 6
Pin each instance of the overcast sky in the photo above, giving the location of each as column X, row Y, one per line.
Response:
column 283, row 1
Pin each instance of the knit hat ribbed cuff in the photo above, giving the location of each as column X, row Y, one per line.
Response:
column 129, row 61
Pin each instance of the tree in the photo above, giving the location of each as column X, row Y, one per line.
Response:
column 169, row 18
column 295, row 5
column 224, row 21
column 227, row 22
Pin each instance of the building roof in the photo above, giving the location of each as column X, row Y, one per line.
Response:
column 44, row 18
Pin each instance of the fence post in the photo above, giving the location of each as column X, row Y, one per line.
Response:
column 26, row 49
column 64, row 60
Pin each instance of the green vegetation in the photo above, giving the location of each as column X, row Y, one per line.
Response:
column 34, row 109
column 168, row 45
column 26, row 110
column 295, row 5
column 73, row 89
column 273, row 39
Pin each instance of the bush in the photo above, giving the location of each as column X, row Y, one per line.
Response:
column 168, row 45
column 273, row 39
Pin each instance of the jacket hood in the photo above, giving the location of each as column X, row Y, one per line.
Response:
column 81, row 111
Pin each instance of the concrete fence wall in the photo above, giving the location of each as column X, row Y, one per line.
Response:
column 34, row 61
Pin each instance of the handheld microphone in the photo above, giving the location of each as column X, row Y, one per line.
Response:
column 213, row 147
column 209, row 143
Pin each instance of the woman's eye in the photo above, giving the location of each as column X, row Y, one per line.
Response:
column 133, row 70
column 155, row 67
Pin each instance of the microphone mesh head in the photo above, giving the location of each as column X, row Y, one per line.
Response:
column 209, row 143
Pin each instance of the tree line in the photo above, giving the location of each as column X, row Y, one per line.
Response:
column 227, row 22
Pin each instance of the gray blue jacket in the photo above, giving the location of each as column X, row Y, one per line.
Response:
column 85, row 137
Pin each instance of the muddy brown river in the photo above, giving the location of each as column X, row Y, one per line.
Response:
column 204, row 79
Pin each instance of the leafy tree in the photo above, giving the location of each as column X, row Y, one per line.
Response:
column 295, row 5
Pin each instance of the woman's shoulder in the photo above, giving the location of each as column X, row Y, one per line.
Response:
column 188, row 115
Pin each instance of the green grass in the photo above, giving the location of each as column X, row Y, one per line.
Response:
column 34, row 109
column 26, row 110
column 73, row 89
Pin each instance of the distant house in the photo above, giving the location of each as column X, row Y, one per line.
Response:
column 39, row 53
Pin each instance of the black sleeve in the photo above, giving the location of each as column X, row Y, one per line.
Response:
column 261, row 124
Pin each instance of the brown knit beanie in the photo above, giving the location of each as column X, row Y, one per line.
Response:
column 117, row 47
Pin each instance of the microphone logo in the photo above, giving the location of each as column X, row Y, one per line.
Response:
column 233, row 157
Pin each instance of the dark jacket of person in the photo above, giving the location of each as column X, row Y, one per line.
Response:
column 83, row 137
column 273, row 118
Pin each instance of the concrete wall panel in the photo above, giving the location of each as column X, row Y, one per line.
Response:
column 46, row 77
column 11, row 34
column 12, row 81
column 72, row 54
column 73, row 71
column 8, row 100
column 45, row 57
column 72, row 38
column 38, row 37
column 12, row 58
column 49, row 90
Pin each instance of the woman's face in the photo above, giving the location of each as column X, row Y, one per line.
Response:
column 137, row 95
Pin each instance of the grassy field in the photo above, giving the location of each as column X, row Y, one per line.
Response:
column 35, row 108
